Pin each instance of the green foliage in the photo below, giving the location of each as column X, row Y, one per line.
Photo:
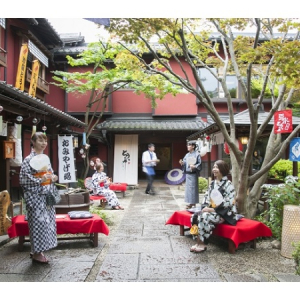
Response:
column 202, row 184
column 296, row 257
column 277, row 196
column 80, row 183
column 282, row 169
column 99, row 211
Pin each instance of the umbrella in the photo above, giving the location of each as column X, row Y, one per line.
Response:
column 175, row 176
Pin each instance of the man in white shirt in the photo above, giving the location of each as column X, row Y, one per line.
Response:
column 149, row 160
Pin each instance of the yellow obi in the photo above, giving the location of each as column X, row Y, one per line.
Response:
column 40, row 175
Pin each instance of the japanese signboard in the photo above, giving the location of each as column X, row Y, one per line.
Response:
column 34, row 78
column 66, row 159
column 283, row 122
column 295, row 149
column 20, row 80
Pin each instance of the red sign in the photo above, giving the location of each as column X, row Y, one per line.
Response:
column 283, row 121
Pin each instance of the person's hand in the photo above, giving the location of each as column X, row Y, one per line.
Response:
column 47, row 176
column 180, row 161
column 54, row 178
column 207, row 209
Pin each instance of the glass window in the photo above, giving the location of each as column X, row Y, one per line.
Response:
column 213, row 87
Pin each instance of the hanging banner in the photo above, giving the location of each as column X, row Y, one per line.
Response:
column 34, row 78
column 295, row 149
column 126, row 159
column 283, row 121
column 66, row 169
column 20, row 80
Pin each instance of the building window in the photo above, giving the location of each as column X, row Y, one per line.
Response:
column 213, row 87
column 2, row 22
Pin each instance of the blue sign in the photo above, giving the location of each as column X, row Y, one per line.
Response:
column 295, row 149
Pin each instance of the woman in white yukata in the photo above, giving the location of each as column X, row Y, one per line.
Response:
column 100, row 183
column 40, row 216
column 220, row 191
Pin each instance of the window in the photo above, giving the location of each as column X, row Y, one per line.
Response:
column 213, row 87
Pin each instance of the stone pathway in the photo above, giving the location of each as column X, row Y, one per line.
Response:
column 141, row 248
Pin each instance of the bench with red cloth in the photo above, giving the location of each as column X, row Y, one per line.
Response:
column 245, row 231
column 64, row 225
column 115, row 186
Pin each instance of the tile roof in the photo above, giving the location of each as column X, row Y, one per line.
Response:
column 16, row 97
column 150, row 124
column 241, row 119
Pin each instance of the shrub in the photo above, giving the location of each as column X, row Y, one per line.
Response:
column 99, row 211
column 277, row 196
column 202, row 184
column 296, row 257
column 282, row 169
column 80, row 183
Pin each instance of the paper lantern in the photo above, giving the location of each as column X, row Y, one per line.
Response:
column 237, row 142
column 203, row 151
column 290, row 229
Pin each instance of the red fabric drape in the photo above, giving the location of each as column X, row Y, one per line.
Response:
column 283, row 121
column 244, row 231
column 65, row 225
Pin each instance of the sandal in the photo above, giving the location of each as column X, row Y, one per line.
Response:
column 190, row 206
column 192, row 249
column 199, row 249
column 42, row 260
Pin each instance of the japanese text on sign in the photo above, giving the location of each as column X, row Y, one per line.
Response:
column 66, row 159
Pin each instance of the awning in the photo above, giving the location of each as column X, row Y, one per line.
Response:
column 16, row 101
column 150, row 124
column 242, row 122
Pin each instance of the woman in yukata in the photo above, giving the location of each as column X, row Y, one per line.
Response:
column 191, row 166
column 221, row 190
column 40, row 216
column 100, row 183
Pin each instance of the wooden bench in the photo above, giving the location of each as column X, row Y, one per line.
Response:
column 64, row 226
column 245, row 231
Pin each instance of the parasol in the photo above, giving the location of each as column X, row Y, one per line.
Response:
column 175, row 176
column 40, row 162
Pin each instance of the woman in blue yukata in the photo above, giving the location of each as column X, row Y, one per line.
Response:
column 219, row 206
column 40, row 216
column 101, row 183
column 191, row 166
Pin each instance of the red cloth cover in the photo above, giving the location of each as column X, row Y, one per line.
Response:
column 19, row 226
column 118, row 186
column 244, row 231
column 97, row 197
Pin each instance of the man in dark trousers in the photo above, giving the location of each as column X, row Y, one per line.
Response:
column 149, row 161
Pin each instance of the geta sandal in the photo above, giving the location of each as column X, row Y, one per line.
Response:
column 199, row 249
column 44, row 260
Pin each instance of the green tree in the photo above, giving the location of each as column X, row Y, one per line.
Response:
column 277, row 57
column 106, row 78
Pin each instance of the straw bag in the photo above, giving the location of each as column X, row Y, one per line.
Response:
column 194, row 230
column 53, row 196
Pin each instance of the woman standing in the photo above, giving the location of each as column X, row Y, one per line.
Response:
column 191, row 165
column 101, row 185
column 220, row 194
column 41, row 217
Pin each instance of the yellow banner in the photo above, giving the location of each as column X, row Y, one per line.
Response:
column 34, row 78
column 20, row 81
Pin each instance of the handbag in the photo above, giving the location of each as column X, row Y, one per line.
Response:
column 194, row 230
column 53, row 196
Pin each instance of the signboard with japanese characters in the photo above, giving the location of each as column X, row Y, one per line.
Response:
column 283, row 122
column 295, row 149
column 66, row 159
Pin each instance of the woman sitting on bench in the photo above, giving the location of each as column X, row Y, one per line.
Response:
column 219, row 207
column 100, row 183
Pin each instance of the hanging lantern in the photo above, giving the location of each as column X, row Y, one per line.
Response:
column 19, row 118
column 237, row 142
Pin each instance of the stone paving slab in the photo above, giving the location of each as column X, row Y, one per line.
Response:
column 119, row 267
column 140, row 245
column 287, row 277
column 245, row 278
